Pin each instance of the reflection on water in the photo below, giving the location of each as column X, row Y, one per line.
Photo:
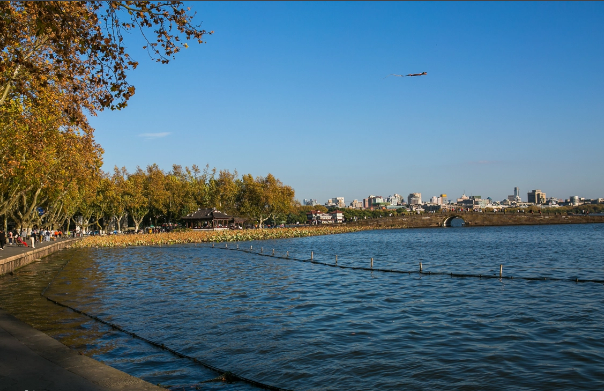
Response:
column 84, row 279
column 303, row 326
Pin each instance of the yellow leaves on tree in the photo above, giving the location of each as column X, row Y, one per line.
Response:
column 77, row 48
column 59, row 62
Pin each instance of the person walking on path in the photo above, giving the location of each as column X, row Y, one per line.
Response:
column 2, row 239
column 10, row 237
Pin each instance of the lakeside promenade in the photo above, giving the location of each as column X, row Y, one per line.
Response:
column 14, row 257
column 12, row 250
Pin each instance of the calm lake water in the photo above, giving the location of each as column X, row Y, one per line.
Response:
column 304, row 326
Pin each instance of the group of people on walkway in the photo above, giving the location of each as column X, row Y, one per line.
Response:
column 35, row 235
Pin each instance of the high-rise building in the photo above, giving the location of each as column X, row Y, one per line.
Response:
column 376, row 202
column 461, row 199
column 536, row 197
column 414, row 199
column 438, row 200
column 516, row 196
column 337, row 201
column 394, row 199
column 310, row 202
column 356, row 204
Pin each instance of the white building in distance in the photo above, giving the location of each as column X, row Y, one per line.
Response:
column 337, row 201
column 356, row 204
column 310, row 202
column 414, row 199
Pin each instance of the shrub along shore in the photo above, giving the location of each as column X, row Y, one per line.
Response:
column 185, row 237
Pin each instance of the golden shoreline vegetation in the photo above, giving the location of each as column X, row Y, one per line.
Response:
column 186, row 237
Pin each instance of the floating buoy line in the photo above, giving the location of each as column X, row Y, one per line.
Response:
column 228, row 376
column 224, row 376
column 419, row 271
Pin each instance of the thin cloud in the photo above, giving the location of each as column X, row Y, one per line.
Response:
column 153, row 136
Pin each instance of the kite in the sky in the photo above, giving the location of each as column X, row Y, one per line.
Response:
column 411, row 74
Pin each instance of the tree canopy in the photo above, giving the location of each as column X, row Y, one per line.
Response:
column 75, row 51
column 60, row 62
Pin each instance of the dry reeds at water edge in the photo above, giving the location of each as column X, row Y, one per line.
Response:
column 185, row 237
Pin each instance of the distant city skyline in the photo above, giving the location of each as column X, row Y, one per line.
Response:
column 512, row 97
column 516, row 196
column 415, row 202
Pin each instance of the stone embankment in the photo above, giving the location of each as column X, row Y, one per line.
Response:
column 31, row 360
column 473, row 219
column 26, row 255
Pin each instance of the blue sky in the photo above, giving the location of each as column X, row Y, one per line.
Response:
column 514, row 96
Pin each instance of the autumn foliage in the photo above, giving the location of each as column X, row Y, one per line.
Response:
column 164, row 197
column 76, row 49
column 61, row 62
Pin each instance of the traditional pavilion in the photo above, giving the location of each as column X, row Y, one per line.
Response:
column 210, row 218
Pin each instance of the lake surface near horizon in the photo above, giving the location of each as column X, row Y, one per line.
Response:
column 305, row 326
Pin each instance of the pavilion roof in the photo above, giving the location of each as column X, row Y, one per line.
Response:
column 207, row 214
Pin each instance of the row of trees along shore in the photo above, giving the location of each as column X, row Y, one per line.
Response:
column 164, row 197
column 60, row 63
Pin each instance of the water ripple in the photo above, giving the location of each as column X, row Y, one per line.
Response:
column 304, row 326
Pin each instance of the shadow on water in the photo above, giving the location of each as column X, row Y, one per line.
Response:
column 454, row 222
column 457, row 222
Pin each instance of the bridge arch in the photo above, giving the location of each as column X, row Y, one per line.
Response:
column 450, row 218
